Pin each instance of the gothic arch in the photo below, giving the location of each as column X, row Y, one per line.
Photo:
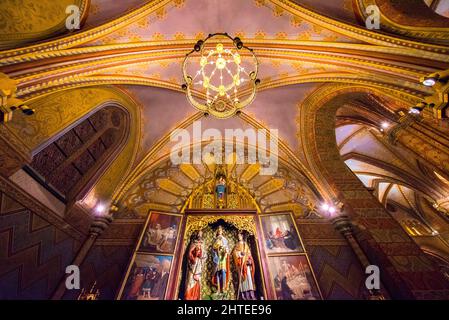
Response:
column 73, row 160
column 169, row 187
column 60, row 112
column 412, row 19
column 376, row 229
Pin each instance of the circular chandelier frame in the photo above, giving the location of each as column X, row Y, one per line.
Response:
column 222, row 105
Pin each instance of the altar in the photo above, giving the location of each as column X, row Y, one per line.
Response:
column 218, row 254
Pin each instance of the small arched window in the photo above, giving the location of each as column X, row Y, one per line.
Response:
column 68, row 166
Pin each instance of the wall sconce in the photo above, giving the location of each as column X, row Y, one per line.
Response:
column 99, row 209
column 330, row 210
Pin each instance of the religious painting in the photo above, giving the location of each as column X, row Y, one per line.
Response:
column 148, row 278
column 293, row 278
column 280, row 235
column 161, row 233
column 220, row 262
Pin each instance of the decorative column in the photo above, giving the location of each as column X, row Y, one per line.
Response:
column 427, row 142
column 342, row 223
column 407, row 272
column 98, row 226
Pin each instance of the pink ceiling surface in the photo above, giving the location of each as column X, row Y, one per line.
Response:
column 344, row 132
column 279, row 108
column 162, row 110
column 101, row 11
column 339, row 9
column 246, row 18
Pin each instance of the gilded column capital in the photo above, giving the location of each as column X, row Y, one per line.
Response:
column 100, row 224
column 404, row 122
column 342, row 224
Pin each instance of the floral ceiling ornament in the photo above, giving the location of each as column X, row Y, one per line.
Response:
column 220, row 75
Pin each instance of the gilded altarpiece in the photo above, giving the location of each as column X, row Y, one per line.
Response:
column 159, row 266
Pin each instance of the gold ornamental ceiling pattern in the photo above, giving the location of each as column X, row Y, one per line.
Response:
column 354, row 54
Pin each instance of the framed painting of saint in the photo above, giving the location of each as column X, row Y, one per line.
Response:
column 292, row 278
column 148, row 277
column 280, row 234
column 161, row 233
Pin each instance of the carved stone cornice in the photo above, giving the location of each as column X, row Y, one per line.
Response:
column 13, row 153
column 29, row 202
column 342, row 224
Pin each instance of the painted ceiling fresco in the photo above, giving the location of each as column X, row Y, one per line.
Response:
column 193, row 19
column 138, row 46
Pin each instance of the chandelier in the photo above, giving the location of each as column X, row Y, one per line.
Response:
column 220, row 75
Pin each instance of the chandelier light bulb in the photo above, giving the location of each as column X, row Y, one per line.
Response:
column 237, row 59
column 221, row 63
column 220, row 48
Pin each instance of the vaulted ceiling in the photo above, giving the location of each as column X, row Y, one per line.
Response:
column 137, row 46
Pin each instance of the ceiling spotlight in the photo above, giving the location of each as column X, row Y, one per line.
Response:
column 325, row 207
column 429, row 82
column 434, row 233
column 418, row 108
column 385, row 125
column 332, row 210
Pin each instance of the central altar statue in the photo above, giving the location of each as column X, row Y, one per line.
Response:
column 221, row 260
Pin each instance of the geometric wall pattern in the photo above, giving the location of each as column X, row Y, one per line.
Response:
column 105, row 264
column 338, row 271
column 33, row 252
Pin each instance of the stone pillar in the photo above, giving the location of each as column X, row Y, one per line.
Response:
column 342, row 223
column 99, row 225
column 407, row 272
